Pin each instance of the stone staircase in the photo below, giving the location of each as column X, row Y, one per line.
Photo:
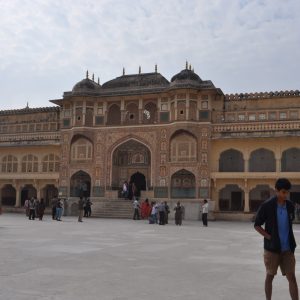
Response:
column 113, row 208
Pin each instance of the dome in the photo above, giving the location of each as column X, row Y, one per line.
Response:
column 86, row 86
column 186, row 78
column 144, row 80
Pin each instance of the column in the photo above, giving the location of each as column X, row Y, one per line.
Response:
column 247, row 203
column 123, row 111
column 187, row 108
column 1, row 186
column 141, row 111
column 18, row 196
column 83, row 113
column 278, row 164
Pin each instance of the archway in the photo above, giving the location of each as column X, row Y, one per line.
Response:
column 139, row 180
column 131, row 157
column 290, row 160
column 231, row 198
column 8, row 194
column 183, row 184
column 258, row 195
column 27, row 192
column 80, row 184
column 49, row 192
column 231, row 160
column 262, row 160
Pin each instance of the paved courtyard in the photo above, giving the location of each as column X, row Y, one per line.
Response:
column 123, row 259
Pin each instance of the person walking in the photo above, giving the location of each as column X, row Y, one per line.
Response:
column 277, row 215
column 136, row 207
column 178, row 214
column 167, row 212
column 80, row 209
column 41, row 209
column 59, row 209
column 26, row 206
column 162, row 213
column 53, row 207
column 204, row 213
column 32, row 207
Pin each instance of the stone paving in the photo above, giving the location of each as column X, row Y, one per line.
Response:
column 124, row 259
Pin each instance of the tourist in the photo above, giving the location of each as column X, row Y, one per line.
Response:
column 277, row 215
column 134, row 191
column 88, row 207
column 204, row 212
column 59, row 209
column 32, row 207
column 178, row 213
column 37, row 202
column 41, row 209
column 162, row 213
column 136, row 207
column 125, row 190
column 26, row 206
column 53, row 206
column 145, row 209
column 80, row 209
column 167, row 212
column 152, row 218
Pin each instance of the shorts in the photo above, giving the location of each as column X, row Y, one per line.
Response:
column 285, row 260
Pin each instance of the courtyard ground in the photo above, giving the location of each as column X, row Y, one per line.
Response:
column 107, row 259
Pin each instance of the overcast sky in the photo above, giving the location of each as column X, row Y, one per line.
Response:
column 241, row 45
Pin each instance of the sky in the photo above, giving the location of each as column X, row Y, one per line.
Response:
column 241, row 45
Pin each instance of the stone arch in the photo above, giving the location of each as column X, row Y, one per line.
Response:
column 290, row 160
column 9, row 164
column 128, row 157
column 27, row 192
column 183, row 184
column 114, row 115
column 8, row 195
column 49, row 192
column 231, row 198
column 231, row 160
column 150, row 113
column 131, row 113
column 258, row 195
column 80, row 184
column 183, row 146
column 30, row 163
column 262, row 160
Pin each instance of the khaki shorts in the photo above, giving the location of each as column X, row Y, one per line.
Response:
column 285, row 260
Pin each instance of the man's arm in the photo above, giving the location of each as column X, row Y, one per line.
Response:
column 260, row 230
column 260, row 219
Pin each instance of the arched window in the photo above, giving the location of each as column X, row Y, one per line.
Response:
column 81, row 149
column 290, row 160
column 114, row 115
column 150, row 113
column 30, row 163
column 183, row 147
column 231, row 161
column 183, row 184
column 51, row 163
column 262, row 160
column 9, row 164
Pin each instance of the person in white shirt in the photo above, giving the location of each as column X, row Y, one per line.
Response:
column 136, row 207
column 205, row 212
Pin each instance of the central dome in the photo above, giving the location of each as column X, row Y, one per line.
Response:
column 86, row 85
column 186, row 75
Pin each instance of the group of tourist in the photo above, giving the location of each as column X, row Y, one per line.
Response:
column 84, row 208
column 35, row 208
column 158, row 213
column 130, row 190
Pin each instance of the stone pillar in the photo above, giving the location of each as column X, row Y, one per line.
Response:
column 18, row 196
column 141, row 110
column 187, row 108
column 175, row 108
column 278, row 164
column 247, row 202
column 246, row 165
column 83, row 113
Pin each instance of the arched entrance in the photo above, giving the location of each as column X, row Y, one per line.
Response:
column 49, row 192
column 139, row 180
column 8, row 194
column 27, row 192
column 80, row 184
column 258, row 195
column 183, row 184
column 131, row 162
column 231, row 198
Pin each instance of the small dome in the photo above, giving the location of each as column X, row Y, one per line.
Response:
column 85, row 86
column 186, row 75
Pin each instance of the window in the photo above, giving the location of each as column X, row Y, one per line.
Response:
column 164, row 106
column 51, row 163
column 241, row 117
column 252, row 117
column 204, row 115
column 81, row 150
column 67, row 113
column 272, row 115
column 9, row 164
column 294, row 114
column 230, row 117
column 282, row 115
column 29, row 163
column 100, row 109
column 204, row 104
column 262, row 116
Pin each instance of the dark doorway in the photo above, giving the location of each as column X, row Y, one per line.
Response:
column 27, row 193
column 140, row 180
column 80, row 184
column 295, row 197
column 236, row 201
